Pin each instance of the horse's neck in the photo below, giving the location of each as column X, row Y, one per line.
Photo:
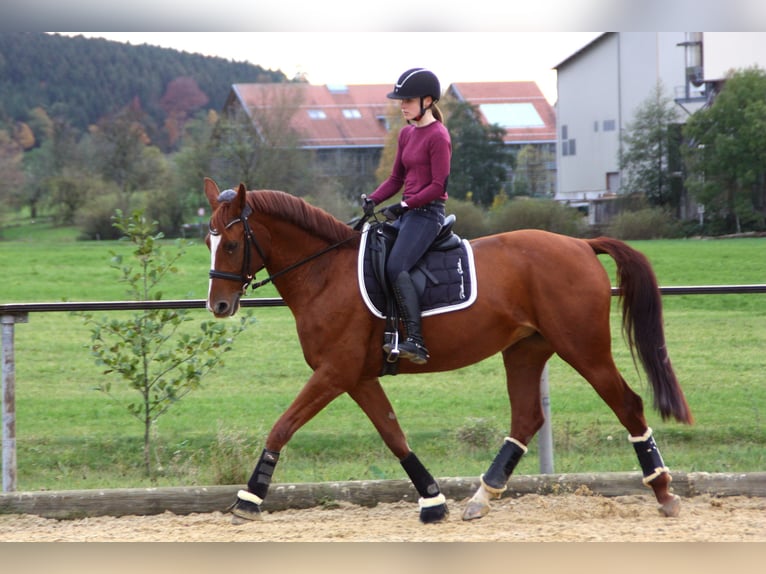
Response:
column 292, row 246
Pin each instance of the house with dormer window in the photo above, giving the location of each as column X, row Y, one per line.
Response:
column 346, row 126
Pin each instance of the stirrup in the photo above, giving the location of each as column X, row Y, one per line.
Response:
column 391, row 346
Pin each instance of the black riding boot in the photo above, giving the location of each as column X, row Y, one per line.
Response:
column 407, row 300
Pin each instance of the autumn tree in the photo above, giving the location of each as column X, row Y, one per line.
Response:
column 261, row 148
column 181, row 99
column 11, row 171
column 124, row 154
column 395, row 124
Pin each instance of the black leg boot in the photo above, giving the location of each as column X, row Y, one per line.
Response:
column 408, row 302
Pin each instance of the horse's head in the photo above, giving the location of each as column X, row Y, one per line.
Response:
column 230, row 240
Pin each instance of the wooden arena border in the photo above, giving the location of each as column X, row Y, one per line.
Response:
column 74, row 504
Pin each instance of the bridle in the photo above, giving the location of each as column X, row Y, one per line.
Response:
column 245, row 277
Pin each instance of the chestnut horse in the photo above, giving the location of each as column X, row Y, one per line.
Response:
column 539, row 293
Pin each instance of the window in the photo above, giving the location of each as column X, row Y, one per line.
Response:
column 352, row 114
column 609, row 125
column 595, row 126
column 568, row 146
column 317, row 114
column 523, row 115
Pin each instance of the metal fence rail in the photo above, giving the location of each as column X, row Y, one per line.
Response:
column 13, row 313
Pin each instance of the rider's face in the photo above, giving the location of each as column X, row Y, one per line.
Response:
column 411, row 107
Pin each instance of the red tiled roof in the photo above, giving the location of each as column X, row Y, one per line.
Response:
column 333, row 128
column 366, row 108
column 478, row 93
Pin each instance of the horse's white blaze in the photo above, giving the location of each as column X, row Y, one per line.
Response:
column 215, row 240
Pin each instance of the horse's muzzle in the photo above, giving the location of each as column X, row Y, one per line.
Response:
column 223, row 308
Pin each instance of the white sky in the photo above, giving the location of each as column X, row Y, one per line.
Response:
column 379, row 57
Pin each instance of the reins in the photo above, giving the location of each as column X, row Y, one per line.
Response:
column 289, row 268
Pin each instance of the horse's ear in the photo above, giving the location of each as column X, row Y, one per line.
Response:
column 212, row 193
column 241, row 197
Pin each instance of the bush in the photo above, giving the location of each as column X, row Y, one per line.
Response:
column 471, row 219
column 478, row 434
column 648, row 223
column 95, row 218
column 231, row 459
column 543, row 214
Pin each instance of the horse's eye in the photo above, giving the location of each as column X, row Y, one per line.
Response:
column 230, row 246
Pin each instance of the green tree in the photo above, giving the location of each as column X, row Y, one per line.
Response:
column 532, row 175
column 648, row 147
column 151, row 351
column 726, row 153
column 480, row 159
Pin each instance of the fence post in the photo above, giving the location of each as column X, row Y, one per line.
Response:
column 9, row 400
column 545, row 435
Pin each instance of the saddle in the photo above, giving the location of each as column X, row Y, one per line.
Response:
column 444, row 278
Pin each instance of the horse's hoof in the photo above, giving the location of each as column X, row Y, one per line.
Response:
column 475, row 510
column 672, row 508
column 245, row 511
column 433, row 514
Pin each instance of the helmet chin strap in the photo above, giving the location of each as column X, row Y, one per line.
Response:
column 423, row 110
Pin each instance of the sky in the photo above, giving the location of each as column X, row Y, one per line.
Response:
column 380, row 57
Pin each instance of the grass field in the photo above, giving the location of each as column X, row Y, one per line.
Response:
column 70, row 436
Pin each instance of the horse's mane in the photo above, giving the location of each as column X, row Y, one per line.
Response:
column 302, row 214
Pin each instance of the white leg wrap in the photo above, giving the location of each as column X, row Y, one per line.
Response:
column 518, row 444
column 250, row 497
column 495, row 492
column 433, row 501
column 643, row 438
column 657, row 471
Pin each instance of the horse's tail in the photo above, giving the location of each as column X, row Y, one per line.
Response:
column 643, row 325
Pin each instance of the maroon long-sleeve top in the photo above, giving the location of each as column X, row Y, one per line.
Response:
column 422, row 165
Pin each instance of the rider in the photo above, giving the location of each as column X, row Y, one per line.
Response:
column 422, row 166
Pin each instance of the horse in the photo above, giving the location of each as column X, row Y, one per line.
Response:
column 539, row 293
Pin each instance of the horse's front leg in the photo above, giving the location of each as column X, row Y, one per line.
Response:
column 316, row 395
column 524, row 364
column 371, row 398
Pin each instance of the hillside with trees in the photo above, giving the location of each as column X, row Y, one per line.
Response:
column 82, row 80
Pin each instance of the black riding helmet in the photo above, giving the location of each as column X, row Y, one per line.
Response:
column 417, row 83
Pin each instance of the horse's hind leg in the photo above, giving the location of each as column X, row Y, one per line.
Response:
column 601, row 372
column 524, row 363
column 371, row 398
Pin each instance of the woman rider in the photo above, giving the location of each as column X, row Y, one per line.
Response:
column 422, row 167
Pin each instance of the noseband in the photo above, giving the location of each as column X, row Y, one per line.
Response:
column 244, row 277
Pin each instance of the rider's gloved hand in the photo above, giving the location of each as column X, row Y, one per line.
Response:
column 394, row 211
column 368, row 206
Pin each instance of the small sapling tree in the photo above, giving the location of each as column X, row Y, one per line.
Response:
column 153, row 351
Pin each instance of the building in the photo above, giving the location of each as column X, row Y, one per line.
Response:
column 601, row 85
column 522, row 110
column 346, row 126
